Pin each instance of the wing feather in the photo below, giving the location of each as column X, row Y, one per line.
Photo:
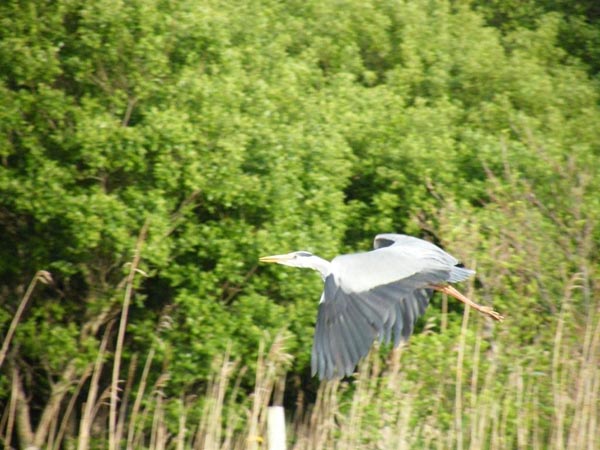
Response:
column 408, row 318
column 361, row 329
column 345, row 347
column 319, row 352
column 376, row 294
column 348, row 324
column 329, row 353
column 399, row 324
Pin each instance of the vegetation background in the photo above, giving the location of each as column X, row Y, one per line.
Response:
column 152, row 150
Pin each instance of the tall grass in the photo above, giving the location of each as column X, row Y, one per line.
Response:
column 482, row 403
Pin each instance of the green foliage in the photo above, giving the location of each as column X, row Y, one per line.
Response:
column 238, row 130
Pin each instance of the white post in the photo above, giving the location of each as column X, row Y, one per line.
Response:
column 276, row 428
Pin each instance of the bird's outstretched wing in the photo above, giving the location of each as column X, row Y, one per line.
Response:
column 376, row 295
column 349, row 323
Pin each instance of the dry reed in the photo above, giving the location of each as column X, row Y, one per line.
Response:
column 379, row 408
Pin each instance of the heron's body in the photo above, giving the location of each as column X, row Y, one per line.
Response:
column 375, row 295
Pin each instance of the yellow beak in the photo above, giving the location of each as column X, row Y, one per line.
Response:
column 275, row 258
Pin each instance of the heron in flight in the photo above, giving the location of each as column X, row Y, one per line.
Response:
column 375, row 295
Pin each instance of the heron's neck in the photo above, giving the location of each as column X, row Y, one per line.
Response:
column 321, row 265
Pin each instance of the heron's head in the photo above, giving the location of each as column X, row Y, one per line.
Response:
column 294, row 259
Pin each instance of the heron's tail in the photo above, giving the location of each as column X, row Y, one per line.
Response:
column 459, row 274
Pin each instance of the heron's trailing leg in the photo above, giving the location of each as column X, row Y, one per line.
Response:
column 451, row 291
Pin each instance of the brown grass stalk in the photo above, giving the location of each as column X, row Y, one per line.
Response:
column 158, row 433
column 181, row 429
column 112, row 423
column 474, row 406
column 522, row 424
column 87, row 417
column 126, row 395
column 133, row 419
column 208, row 435
column 69, row 410
column 558, row 380
column 4, row 421
column 52, row 432
column 458, row 396
column 41, row 276
column 232, row 417
column 133, row 434
column 11, row 414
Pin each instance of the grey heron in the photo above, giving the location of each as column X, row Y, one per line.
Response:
column 375, row 295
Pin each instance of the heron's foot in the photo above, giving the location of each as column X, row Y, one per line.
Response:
column 491, row 313
column 450, row 290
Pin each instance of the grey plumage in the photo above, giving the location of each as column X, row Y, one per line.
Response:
column 378, row 294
